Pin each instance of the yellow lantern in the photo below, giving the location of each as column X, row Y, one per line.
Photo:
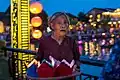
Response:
column 36, row 8
column 1, row 27
column 36, row 21
column 37, row 34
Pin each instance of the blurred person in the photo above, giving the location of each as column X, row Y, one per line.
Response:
column 59, row 47
column 111, row 70
column 4, row 67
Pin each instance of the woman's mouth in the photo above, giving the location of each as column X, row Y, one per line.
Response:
column 63, row 30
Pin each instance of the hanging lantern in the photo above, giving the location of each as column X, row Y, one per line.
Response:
column 36, row 21
column 37, row 34
column 1, row 27
column 36, row 8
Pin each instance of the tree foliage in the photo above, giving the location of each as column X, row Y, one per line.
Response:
column 82, row 17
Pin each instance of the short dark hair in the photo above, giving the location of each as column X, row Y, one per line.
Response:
column 55, row 15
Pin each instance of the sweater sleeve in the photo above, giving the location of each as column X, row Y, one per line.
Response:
column 76, row 54
column 76, row 51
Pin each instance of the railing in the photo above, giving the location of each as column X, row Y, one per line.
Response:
column 16, row 75
column 94, row 62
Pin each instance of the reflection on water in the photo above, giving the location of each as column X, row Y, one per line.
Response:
column 95, row 50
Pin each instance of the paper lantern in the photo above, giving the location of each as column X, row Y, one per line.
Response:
column 36, row 8
column 37, row 34
column 1, row 27
column 36, row 21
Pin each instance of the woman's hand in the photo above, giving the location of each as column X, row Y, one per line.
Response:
column 76, row 68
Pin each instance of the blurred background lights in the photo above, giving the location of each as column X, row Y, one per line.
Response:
column 48, row 29
column 1, row 27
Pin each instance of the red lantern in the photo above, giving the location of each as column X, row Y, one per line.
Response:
column 36, row 8
column 36, row 21
column 37, row 34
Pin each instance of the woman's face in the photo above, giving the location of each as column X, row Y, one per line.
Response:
column 60, row 25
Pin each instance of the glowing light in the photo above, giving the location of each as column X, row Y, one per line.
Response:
column 48, row 29
column 36, row 21
column 91, row 47
column 90, row 20
column 85, row 25
column 37, row 34
column 1, row 27
column 106, row 13
column 90, row 16
column 79, row 42
column 117, row 10
column 36, row 8
column 103, row 34
column 103, row 42
column 109, row 22
column 98, row 20
column 115, row 13
column 94, row 25
column 114, row 22
column 94, row 40
column 86, row 48
column 112, row 35
column 98, row 15
column 119, row 22
column 70, row 27
column 111, row 41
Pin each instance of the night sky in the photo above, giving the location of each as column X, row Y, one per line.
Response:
column 71, row 6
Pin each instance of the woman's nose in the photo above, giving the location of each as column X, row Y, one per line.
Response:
column 63, row 26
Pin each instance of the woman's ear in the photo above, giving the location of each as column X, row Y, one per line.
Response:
column 51, row 26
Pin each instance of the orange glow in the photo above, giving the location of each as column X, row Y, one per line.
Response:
column 36, row 8
column 37, row 34
column 36, row 21
column 1, row 27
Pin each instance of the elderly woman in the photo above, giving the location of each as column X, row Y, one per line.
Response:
column 58, row 46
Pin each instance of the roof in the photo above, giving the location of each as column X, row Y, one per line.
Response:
column 101, row 10
column 71, row 15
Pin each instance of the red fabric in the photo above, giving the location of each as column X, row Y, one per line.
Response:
column 63, row 70
column 45, row 71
